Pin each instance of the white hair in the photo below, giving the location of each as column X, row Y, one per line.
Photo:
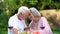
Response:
column 23, row 9
column 35, row 12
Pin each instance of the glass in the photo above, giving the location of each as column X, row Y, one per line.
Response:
column 42, row 27
column 10, row 27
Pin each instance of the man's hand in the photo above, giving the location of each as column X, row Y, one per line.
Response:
column 15, row 31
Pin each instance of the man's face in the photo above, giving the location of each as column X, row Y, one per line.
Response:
column 26, row 14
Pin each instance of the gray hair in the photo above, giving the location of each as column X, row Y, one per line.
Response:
column 35, row 12
column 23, row 9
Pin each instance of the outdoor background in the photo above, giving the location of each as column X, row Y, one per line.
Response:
column 48, row 8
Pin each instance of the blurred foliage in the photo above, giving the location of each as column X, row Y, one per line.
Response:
column 39, row 4
column 10, row 7
column 3, row 22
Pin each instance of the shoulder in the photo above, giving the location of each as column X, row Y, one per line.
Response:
column 43, row 18
column 12, row 18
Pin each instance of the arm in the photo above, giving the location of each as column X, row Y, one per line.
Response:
column 47, row 27
column 30, row 25
column 15, row 31
column 12, row 24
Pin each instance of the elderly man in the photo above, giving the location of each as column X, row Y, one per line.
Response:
column 17, row 22
column 38, row 22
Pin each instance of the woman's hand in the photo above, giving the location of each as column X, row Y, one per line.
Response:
column 28, row 28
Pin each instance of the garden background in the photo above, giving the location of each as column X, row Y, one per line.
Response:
column 48, row 8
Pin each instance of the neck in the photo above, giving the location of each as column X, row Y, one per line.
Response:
column 18, row 17
column 37, row 19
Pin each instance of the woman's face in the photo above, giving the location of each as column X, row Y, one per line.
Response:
column 32, row 17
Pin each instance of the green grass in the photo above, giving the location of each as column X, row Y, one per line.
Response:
column 3, row 31
column 56, row 31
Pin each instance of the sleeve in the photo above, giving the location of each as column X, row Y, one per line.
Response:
column 25, row 23
column 47, row 27
column 31, row 25
column 12, row 23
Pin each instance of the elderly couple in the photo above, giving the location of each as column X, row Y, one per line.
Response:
column 17, row 22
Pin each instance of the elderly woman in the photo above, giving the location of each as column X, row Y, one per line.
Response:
column 38, row 22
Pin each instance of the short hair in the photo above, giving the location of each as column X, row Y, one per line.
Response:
column 22, row 9
column 35, row 12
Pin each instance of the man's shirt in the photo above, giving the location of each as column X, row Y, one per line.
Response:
column 16, row 23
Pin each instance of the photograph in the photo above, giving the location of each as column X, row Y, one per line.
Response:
column 29, row 16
